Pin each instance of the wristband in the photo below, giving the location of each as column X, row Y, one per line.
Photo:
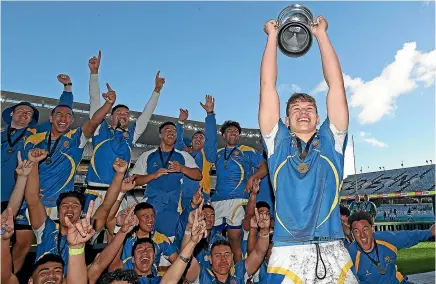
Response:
column 185, row 259
column 76, row 251
column 120, row 196
column 264, row 236
column 68, row 84
column 188, row 233
column 181, row 122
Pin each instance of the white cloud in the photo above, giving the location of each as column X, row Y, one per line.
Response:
column 377, row 97
column 363, row 134
column 288, row 89
column 375, row 142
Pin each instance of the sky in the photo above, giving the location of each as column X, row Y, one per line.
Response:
column 386, row 50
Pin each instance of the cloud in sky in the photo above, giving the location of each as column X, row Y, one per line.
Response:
column 377, row 97
column 376, row 143
column 288, row 89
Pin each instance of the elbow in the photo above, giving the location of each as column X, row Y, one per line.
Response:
column 199, row 175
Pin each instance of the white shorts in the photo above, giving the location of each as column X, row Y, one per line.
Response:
column 231, row 210
column 297, row 264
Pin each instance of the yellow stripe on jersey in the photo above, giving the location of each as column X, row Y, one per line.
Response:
column 127, row 259
column 336, row 200
column 70, row 133
column 72, row 171
column 357, row 261
column 36, row 138
column 242, row 173
column 93, row 156
column 388, row 245
column 244, row 148
column 344, row 272
column 285, row 272
column 159, row 238
column 205, row 181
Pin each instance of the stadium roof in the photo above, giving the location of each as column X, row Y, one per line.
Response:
column 403, row 180
column 149, row 138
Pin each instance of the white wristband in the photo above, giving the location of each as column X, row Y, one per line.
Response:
column 120, row 196
column 188, row 233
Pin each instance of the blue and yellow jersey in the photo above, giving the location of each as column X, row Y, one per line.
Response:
column 162, row 245
column 108, row 144
column 58, row 176
column 190, row 186
column 150, row 279
column 47, row 240
column 9, row 157
column 388, row 244
column 237, row 274
column 306, row 203
column 232, row 175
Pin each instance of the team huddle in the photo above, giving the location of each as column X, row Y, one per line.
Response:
column 274, row 217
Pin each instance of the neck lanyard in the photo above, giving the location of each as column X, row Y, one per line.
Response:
column 11, row 131
column 303, row 167
column 51, row 151
column 226, row 158
column 165, row 163
column 377, row 263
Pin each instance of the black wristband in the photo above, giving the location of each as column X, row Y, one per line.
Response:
column 68, row 84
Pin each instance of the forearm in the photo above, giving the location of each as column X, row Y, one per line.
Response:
column 94, row 94
column 106, row 257
column 110, row 222
column 91, row 125
column 76, row 271
column 269, row 105
column 252, row 238
column 17, row 195
column 180, row 144
column 6, row 269
column 104, row 209
column 249, row 212
column 330, row 62
column 177, row 268
column 211, row 141
column 411, row 238
column 257, row 255
column 192, row 173
column 186, row 237
column 144, row 118
column 37, row 213
column 144, row 179
column 261, row 171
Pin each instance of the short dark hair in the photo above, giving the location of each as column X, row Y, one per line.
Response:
column 117, row 107
column 359, row 216
column 300, row 97
column 50, row 257
column 128, row 275
column 75, row 194
column 208, row 206
column 220, row 243
column 143, row 241
column 230, row 123
column 261, row 204
column 344, row 211
column 198, row 132
column 165, row 124
column 141, row 206
column 54, row 110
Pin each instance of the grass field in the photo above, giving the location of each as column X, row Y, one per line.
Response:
column 417, row 259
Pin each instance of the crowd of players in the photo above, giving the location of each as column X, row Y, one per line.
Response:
column 274, row 216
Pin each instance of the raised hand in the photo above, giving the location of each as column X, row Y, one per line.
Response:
column 128, row 184
column 121, row 216
column 64, row 79
column 130, row 221
column 120, row 166
column 271, row 27
column 209, row 105
column 158, row 82
column 319, row 26
column 110, row 96
column 263, row 220
column 160, row 172
column 183, row 114
column 191, row 217
column 36, row 155
column 24, row 167
column 198, row 228
column 8, row 225
column 94, row 63
column 249, row 187
column 81, row 232
column 197, row 198
column 175, row 167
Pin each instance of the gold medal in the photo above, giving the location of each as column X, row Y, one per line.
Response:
column 10, row 151
column 303, row 168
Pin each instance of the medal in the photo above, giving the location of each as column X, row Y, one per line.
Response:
column 303, row 168
column 225, row 164
column 226, row 158
column 377, row 263
column 50, row 150
column 48, row 161
column 10, row 151
column 381, row 269
column 11, row 132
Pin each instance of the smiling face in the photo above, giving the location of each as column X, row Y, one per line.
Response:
column 168, row 135
column 302, row 117
column 363, row 234
column 198, row 141
column 146, row 220
column 61, row 119
column 143, row 258
column 231, row 135
column 70, row 207
column 21, row 116
column 48, row 273
column 121, row 115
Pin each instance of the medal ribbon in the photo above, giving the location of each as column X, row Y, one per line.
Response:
column 226, row 158
column 49, row 150
column 165, row 164
column 303, row 154
column 10, row 131
column 376, row 263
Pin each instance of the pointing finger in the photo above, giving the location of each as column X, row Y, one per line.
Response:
column 99, row 55
column 108, row 87
column 157, row 74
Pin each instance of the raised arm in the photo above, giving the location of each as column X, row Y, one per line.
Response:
column 407, row 239
column 109, row 253
column 255, row 258
column 337, row 107
column 94, row 88
column 183, row 116
column 269, row 104
column 91, row 125
column 37, row 213
column 77, row 236
column 23, row 171
column 7, row 277
column 102, row 213
column 251, row 205
column 211, row 142
column 144, row 118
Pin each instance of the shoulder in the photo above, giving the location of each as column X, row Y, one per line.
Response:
column 146, row 154
column 36, row 138
column 159, row 238
column 73, row 132
column 244, row 148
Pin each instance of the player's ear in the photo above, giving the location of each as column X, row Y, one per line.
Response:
column 317, row 119
column 287, row 123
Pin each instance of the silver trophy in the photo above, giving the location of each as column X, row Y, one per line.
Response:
column 295, row 36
